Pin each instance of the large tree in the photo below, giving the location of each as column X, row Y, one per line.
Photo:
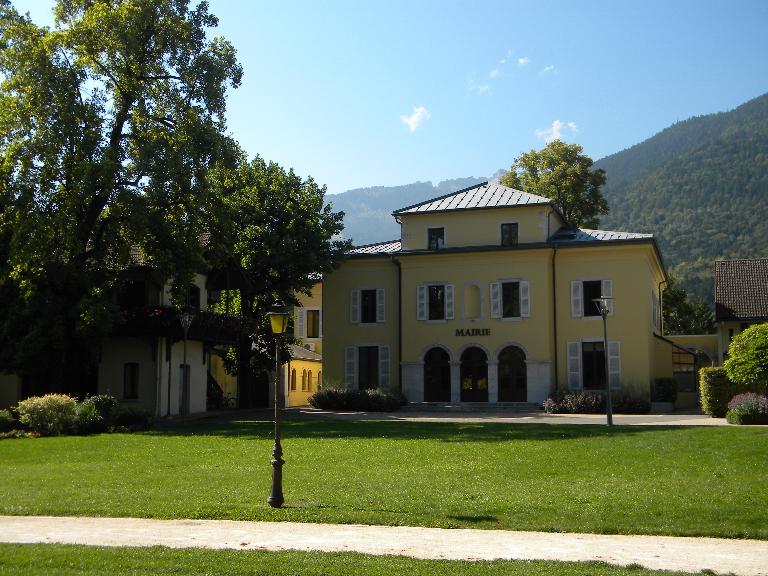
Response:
column 109, row 123
column 282, row 236
column 563, row 173
column 685, row 315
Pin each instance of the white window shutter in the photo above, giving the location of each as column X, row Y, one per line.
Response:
column 384, row 367
column 354, row 306
column 525, row 299
column 574, row 365
column 495, row 300
column 380, row 311
column 421, row 303
column 449, row 301
column 301, row 325
column 350, row 367
column 577, row 298
column 607, row 291
column 614, row 364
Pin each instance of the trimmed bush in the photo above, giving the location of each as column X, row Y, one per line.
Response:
column 49, row 415
column 89, row 421
column 132, row 418
column 747, row 363
column 748, row 408
column 372, row 400
column 7, row 421
column 664, row 390
column 575, row 402
column 715, row 390
column 105, row 405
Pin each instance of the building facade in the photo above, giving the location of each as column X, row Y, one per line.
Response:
column 488, row 297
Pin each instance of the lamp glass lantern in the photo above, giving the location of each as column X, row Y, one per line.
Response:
column 278, row 319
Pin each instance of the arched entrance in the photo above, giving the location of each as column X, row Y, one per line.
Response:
column 437, row 376
column 474, row 375
column 513, row 382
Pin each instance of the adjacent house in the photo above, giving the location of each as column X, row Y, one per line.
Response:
column 488, row 296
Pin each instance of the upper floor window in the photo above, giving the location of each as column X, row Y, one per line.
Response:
column 313, row 323
column 434, row 302
column 510, row 299
column 133, row 294
column 585, row 292
column 435, row 238
column 367, row 306
column 192, row 299
column 131, row 381
column 509, row 234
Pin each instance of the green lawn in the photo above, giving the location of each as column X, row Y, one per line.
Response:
column 652, row 480
column 44, row 559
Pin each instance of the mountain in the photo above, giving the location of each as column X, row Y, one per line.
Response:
column 701, row 186
column 368, row 211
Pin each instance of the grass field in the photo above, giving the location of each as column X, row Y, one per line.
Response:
column 652, row 480
column 44, row 559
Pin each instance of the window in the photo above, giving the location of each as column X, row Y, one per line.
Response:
column 367, row 306
column 593, row 365
column 435, row 238
column 293, row 380
column 583, row 292
column 133, row 295
column 303, row 380
column 510, row 299
column 509, row 234
column 193, row 296
column 313, row 323
column 368, row 367
column 309, row 381
column 434, row 302
column 131, row 381
column 319, row 378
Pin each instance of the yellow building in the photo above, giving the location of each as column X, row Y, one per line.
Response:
column 304, row 373
column 488, row 297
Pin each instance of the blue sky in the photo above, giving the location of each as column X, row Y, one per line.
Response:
column 383, row 93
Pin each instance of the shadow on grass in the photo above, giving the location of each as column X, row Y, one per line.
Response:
column 258, row 428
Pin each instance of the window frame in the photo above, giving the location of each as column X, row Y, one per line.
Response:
column 135, row 379
column 362, row 307
column 438, row 247
column 307, row 323
column 517, row 233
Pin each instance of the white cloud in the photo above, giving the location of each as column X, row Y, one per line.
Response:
column 555, row 131
column 524, row 61
column 419, row 115
column 483, row 88
column 494, row 73
column 548, row 69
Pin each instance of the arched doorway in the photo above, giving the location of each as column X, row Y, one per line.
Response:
column 474, row 375
column 437, row 376
column 513, row 382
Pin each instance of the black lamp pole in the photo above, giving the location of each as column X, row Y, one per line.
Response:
column 603, row 304
column 186, row 322
column 278, row 319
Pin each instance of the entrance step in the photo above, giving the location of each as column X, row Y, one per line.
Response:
column 472, row 407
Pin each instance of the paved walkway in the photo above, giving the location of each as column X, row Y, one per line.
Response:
column 739, row 557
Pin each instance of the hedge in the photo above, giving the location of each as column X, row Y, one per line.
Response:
column 716, row 390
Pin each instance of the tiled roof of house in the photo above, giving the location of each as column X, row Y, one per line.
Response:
column 741, row 289
column 585, row 235
column 301, row 353
column 485, row 195
column 387, row 247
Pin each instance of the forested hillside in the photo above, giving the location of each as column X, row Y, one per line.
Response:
column 701, row 186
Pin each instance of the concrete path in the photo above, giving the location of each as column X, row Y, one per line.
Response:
column 723, row 556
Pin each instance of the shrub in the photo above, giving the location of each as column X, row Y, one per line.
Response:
column 550, row 406
column 630, row 405
column 371, row 400
column 48, row 415
column 715, row 390
column 575, row 402
column 7, row 421
column 664, row 390
column 132, row 418
column 747, row 363
column 89, row 421
column 748, row 408
column 105, row 406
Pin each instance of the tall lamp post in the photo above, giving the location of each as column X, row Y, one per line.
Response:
column 186, row 318
column 603, row 305
column 278, row 321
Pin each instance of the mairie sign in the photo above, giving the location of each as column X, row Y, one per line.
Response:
column 473, row 331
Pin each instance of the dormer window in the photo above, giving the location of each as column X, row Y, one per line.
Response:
column 509, row 234
column 435, row 238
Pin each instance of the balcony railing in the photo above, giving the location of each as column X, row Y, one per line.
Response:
column 164, row 321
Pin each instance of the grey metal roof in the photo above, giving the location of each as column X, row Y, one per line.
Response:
column 485, row 195
column 301, row 353
column 741, row 289
column 379, row 248
column 585, row 235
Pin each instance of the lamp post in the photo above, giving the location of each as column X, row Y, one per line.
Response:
column 603, row 305
column 278, row 322
column 186, row 318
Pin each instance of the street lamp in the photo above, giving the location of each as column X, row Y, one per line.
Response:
column 278, row 322
column 604, row 305
column 186, row 318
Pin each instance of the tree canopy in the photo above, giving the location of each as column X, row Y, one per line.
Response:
column 563, row 173
column 685, row 315
column 747, row 361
